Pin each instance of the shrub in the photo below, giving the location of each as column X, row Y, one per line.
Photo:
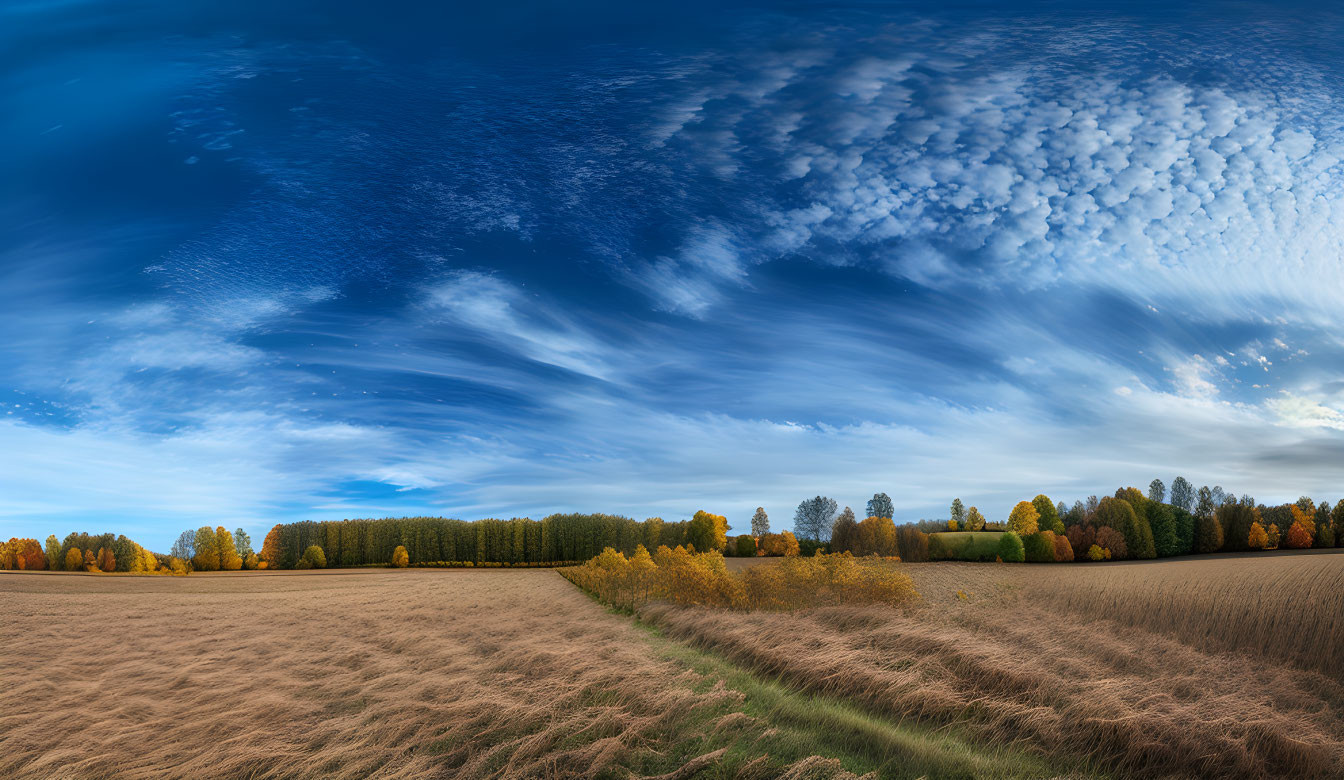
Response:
column 1063, row 549
column 746, row 546
column 251, row 562
column 1256, row 538
column 313, row 558
column 400, row 558
column 952, row 525
column 1010, row 546
column 702, row 579
column 1095, row 553
column 1038, row 547
column 912, row 544
column 1298, row 537
column 262, row 565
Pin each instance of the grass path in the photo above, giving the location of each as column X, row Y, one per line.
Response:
column 789, row 726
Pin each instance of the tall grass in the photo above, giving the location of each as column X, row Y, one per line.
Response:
column 1098, row 668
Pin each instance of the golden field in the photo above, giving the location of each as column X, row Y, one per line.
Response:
column 1222, row 667
column 396, row 674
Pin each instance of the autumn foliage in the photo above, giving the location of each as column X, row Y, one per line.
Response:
column 702, row 579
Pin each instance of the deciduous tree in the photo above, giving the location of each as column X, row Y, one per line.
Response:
column 760, row 523
column 812, row 520
column 1182, row 494
column 1157, row 492
column 1022, row 520
column 708, row 532
column 1048, row 519
column 974, row 520
column 229, row 560
column 880, row 506
column 206, row 557
column 958, row 513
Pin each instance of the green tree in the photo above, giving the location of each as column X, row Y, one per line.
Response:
column 1010, row 547
column 1049, row 519
column 958, row 511
column 708, row 532
column 1162, row 519
column 1119, row 514
column 53, row 552
column 760, row 523
column 880, row 506
column 243, row 543
column 1235, row 521
column 206, row 557
column 1157, row 492
column 313, row 558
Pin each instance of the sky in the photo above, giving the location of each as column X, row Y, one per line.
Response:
column 322, row 260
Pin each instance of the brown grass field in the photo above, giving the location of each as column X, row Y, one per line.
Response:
column 397, row 674
column 1196, row 667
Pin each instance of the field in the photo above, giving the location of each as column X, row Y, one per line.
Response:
column 382, row 673
column 1211, row 666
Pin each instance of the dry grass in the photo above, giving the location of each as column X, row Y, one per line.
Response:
column 1205, row 668
column 386, row 674
column 1285, row 607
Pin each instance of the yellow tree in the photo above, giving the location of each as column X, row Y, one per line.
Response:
column 229, row 560
column 207, row 550
column 400, row 559
column 74, row 559
column 1022, row 520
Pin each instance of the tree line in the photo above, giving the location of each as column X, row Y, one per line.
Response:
column 85, row 552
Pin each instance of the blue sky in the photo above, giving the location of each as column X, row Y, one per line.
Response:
column 301, row 260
